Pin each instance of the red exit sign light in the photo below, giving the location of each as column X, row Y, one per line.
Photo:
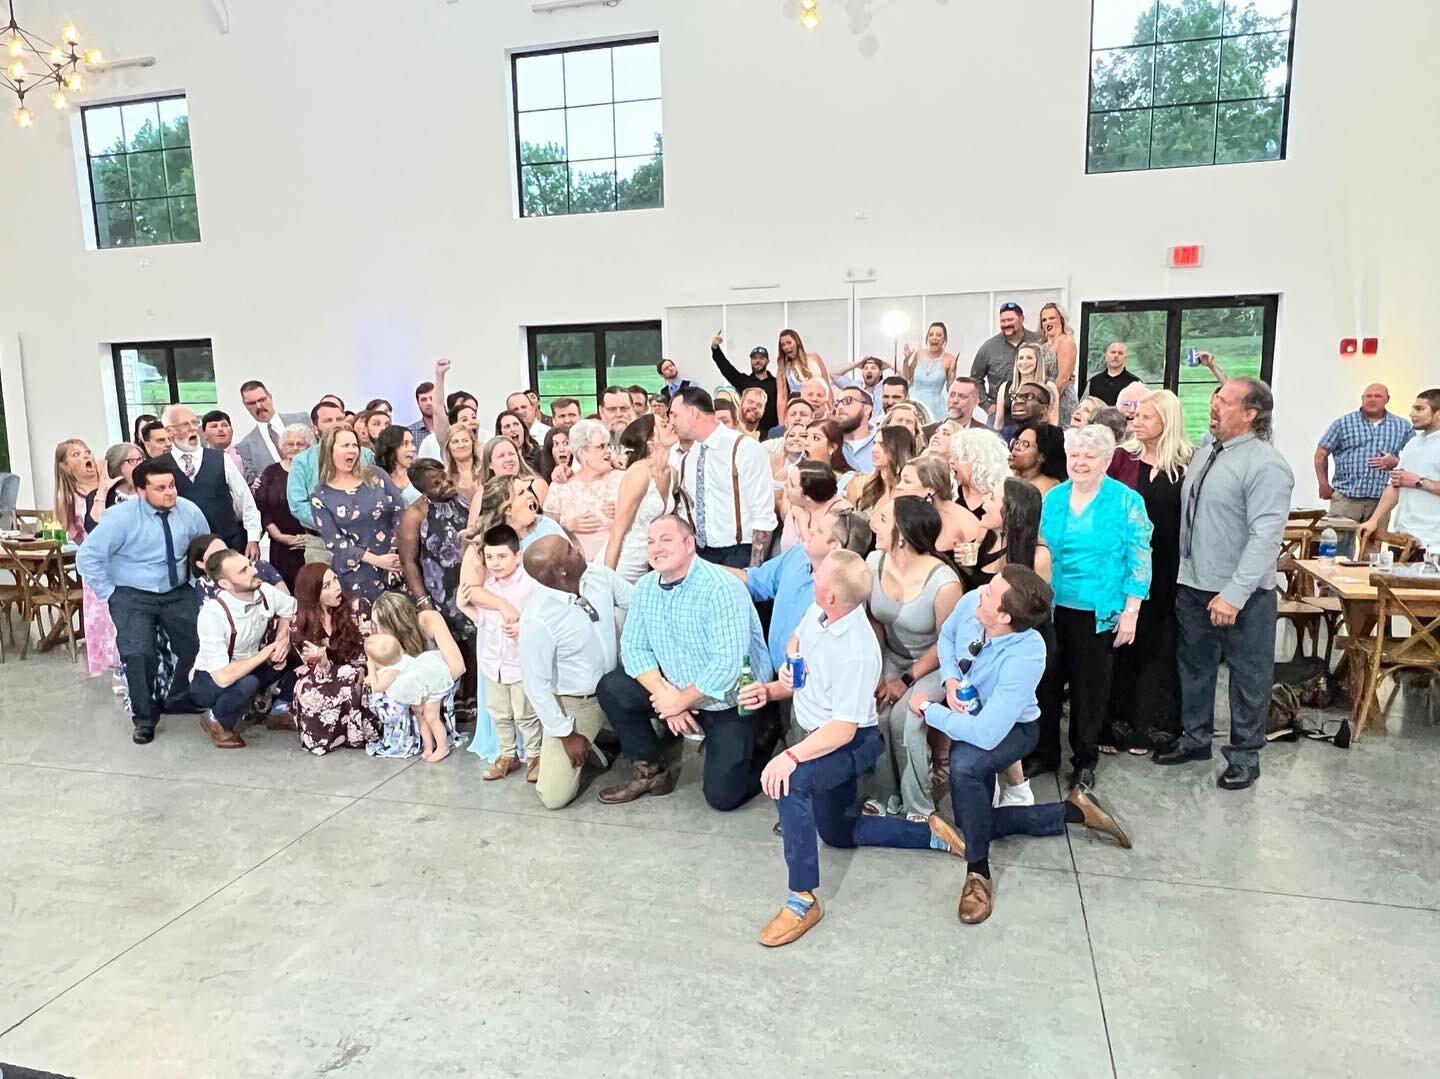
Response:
column 1185, row 256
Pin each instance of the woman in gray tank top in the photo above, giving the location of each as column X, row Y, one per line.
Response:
column 914, row 589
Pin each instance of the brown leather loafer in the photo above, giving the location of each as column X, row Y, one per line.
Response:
column 532, row 770
column 222, row 738
column 1096, row 816
column 787, row 925
column 503, row 766
column 946, row 832
column 644, row 779
column 977, row 900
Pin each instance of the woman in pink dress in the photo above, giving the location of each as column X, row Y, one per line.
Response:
column 78, row 488
column 586, row 504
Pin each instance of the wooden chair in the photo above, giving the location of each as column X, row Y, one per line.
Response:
column 1402, row 543
column 45, row 585
column 1385, row 653
column 1297, row 602
column 29, row 521
column 1301, row 524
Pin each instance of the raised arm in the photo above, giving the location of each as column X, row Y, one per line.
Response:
column 442, row 414
column 731, row 374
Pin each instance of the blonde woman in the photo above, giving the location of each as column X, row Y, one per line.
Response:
column 417, row 632
column 909, row 415
column 1029, row 367
column 498, row 459
column 1144, row 693
column 1085, row 411
column 979, row 460
column 77, row 490
column 461, row 460
column 940, row 439
column 1060, row 357
column 357, row 511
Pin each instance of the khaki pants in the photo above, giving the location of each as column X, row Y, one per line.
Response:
column 509, row 709
column 559, row 780
column 315, row 549
column 1354, row 509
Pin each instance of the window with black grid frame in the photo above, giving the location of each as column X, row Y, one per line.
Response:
column 142, row 173
column 588, row 136
column 1177, row 83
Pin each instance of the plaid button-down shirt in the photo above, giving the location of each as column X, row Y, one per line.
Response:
column 1352, row 440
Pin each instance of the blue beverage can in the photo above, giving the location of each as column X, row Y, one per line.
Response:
column 797, row 670
column 1192, row 358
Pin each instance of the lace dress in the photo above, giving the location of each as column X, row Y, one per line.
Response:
column 567, row 500
column 634, row 562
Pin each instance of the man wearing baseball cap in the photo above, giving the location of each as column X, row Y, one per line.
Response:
column 758, row 376
column 995, row 359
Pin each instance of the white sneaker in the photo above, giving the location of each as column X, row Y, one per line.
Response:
column 1018, row 795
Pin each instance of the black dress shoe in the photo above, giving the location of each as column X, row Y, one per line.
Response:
column 1080, row 777
column 1178, row 754
column 142, row 736
column 1035, row 764
column 1237, row 777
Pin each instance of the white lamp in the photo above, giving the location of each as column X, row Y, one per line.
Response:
column 893, row 324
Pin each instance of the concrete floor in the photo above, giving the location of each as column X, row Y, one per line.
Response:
column 172, row 910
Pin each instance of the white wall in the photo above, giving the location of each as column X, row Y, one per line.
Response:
column 353, row 231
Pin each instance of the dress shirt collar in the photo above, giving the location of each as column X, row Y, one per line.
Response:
column 844, row 622
column 717, row 436
column 1238, row 440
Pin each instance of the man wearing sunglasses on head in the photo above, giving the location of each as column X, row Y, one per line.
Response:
column 995, row 360
column 990, row 642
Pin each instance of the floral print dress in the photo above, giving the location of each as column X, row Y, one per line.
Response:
column 440, row 553
column 332, row 705
column 353, row 522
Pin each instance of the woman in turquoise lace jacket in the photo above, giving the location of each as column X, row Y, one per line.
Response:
column 1099, row 538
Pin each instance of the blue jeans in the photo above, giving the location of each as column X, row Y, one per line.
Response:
column 1248, row 649
column 732, row 760
column 972, row 791
column 230, row 703
column 822, row 802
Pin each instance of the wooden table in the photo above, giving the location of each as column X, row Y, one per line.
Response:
column 55, row 635
column 1358, row 600
column 1308, row 536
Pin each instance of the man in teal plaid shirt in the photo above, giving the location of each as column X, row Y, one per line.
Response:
column 690, row 626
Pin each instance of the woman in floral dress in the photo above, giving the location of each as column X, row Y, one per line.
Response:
column 331, row 706
column 357, row 510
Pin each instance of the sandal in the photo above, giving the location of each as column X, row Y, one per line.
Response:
column 1136, row 751
column 1109, row 751
column 872, row 808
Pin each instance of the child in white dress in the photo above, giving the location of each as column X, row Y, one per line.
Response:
column 418, row 681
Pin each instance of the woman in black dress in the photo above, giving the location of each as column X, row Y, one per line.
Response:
column 287, row 535
column 1145, row 685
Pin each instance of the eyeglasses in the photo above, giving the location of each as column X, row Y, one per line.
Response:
column 585, row 605
column 1018, row 443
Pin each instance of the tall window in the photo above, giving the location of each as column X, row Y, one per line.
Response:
column 587, row 128
column 142, row 178
column 152, row 374
column 1160, row 335
column 1188, row 82
column 580, row 361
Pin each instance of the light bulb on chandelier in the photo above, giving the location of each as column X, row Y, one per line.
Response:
column 810, row 18
column 24, row 117
column 31, row 63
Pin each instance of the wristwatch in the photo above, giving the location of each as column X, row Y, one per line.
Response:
column 1420, row 483
column 907, row 678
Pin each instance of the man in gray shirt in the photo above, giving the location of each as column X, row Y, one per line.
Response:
column 995, row 359
column 1233, row 509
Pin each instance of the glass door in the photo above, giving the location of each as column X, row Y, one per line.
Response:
column 1161, row 336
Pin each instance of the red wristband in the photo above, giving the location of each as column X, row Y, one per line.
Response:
column 792, row 756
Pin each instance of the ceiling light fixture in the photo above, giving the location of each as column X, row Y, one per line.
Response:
column 31, row 63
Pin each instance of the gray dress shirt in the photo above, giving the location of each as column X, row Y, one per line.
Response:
column 1233, row 510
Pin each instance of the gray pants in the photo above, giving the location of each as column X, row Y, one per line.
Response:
column 1248, row 649
column 904, row 767
column 1068, row 402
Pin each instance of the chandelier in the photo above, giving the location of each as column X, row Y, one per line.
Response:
column 29, row 64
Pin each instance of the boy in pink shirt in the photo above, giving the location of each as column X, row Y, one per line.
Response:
column 499, row 654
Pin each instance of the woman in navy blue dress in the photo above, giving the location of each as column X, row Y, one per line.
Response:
column 357, row 512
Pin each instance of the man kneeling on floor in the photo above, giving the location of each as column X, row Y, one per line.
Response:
column 244, row 646
column 996, row 727
column 814, row 781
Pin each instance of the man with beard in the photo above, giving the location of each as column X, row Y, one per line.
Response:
column 852, row 416
column 211, row 481
column 759, row 377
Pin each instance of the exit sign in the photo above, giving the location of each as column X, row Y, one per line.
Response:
column 1185, row 256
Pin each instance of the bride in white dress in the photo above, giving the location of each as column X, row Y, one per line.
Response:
column 645, row 493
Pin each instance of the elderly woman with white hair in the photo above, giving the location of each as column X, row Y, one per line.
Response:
column 585, row 505
column 1099, row 539
column 979, row 461
column 287, row 534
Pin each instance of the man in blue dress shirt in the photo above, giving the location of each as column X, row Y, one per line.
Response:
column 135, row 561
column 1003, row 660
column 690, row 625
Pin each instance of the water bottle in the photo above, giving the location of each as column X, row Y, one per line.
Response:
column 967, row 695
column 1329, row 544
column 747, row 676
